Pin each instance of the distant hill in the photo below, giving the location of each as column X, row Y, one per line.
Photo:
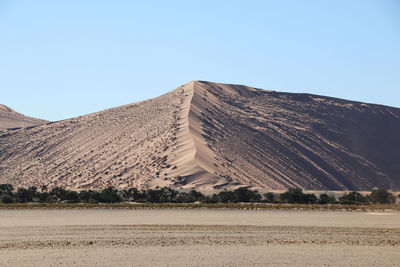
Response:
column 12, row 119
column 205, row 136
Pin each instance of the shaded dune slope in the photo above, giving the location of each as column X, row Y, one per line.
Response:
column 206, row 136
column 280, row 140
column 9, row 118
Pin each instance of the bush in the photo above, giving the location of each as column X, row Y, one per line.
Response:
column 23, row 196
column 197, row 195
column 45, row 197
column 89, row 196
column 211, row 199
column 228, row 197
column 6, row 189
column 71, row 197
column 109, row 195
column 163, row 195
column 58, row 194
column 309, row 199
column 7, row 199
column 269, row 197
column 293, row 195
column 168, row 195
column 382, row 196
column 326, row 199
column 296, row 195
column 353, row 198
column 244, row 194
column 184, row 197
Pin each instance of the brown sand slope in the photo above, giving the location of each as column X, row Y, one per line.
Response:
column 209, row 136
column 12, row 119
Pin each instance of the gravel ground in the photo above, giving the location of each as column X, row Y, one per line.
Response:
column 198, row 238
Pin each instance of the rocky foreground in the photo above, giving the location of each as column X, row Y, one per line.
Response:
column 198, row 238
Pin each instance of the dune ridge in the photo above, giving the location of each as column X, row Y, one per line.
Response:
column 209, row 136
column 9, row 118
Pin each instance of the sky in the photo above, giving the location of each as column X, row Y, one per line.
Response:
column 61, row 59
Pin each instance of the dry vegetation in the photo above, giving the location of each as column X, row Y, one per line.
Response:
column 239, row 206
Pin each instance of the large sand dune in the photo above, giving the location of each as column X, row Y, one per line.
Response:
column 206, row 136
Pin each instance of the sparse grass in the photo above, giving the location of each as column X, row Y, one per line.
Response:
column 235, row 206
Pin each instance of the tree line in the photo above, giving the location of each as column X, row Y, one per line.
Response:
column 167, row 195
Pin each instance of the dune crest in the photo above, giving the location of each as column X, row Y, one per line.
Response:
column 9, row 118
column 207, row 136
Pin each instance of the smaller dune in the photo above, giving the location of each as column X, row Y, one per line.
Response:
column 9, row 118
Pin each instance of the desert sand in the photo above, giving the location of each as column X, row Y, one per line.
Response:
column 198, row 238
column 209, row 136
column 9, row 118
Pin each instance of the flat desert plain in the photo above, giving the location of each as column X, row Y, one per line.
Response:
column 183, row 237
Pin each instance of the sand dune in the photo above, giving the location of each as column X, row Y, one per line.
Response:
column 207, row 136
column 9, row 118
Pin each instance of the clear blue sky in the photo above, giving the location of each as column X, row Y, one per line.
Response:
column 61, row 59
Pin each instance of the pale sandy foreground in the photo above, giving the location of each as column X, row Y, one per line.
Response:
column 198, row 238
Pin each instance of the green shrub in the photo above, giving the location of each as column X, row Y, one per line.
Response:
column 326, row 199
column 244, row 194
column 7, row 199
column 22, row 195
column 353, row 198
column 296, row 195
column 109, row 195
column 382, row 196
column 269, row 197
column 6, row 189
column 71, row 197
column 228, row 197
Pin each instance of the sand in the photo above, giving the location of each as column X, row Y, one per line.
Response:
column 9, row 118
column 212, row 136
column 198, row 238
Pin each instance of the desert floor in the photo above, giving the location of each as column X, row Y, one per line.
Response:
column 174, row 237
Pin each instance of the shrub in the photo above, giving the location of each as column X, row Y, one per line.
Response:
column 163, row 195
column 228, row 197
column 197, row 195
column 292, row 195
column 269, row 197
column 58, row 193
column 45, row 197
column 109, row 195
column 184, row 197
column 309, row 199
column 6, row 189
column 71, row 197
column 244, row 194
column 211, row 199
column 296, row 195
column 23, row 195
column 89, row 196
column 34, row 195
column 326, row 199
column 7, row 199
column 382, row 196
column 353, row 198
